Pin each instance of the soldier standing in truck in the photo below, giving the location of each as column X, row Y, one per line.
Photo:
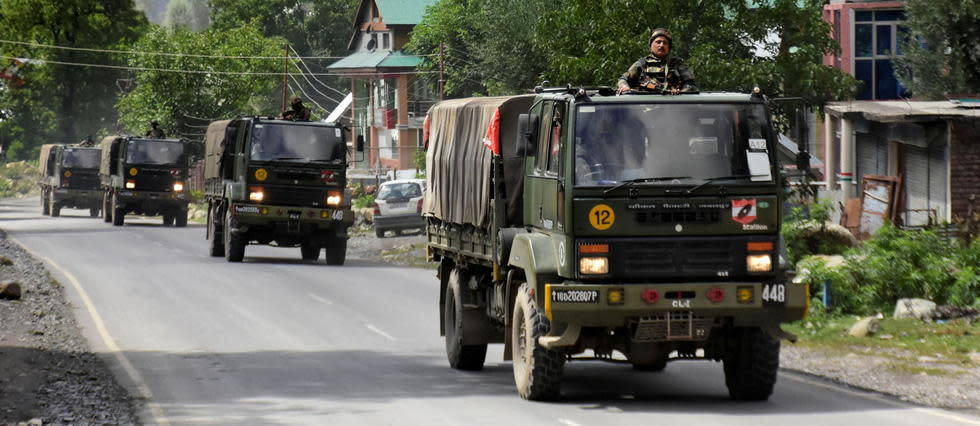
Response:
column 658, row 71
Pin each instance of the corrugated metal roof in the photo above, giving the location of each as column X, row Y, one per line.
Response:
column 403, row 12
column 899, row 111
column 379, row 59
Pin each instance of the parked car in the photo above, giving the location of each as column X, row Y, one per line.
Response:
column 398, row 206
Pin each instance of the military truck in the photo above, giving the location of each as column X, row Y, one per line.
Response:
column 279, row 182
column 639, row 228
column 144, row 176
column 69, row 178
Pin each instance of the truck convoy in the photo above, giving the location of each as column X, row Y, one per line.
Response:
column 281, row 182
column 69, row 178
column 639, row 226
column 144, row 176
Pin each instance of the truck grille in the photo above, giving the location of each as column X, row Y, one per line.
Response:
column 83, row 181
column 677, row 325
column 652, row 258
column 295, row 196
column 154, row 180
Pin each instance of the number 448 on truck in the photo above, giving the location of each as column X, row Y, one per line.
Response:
column 573, row 221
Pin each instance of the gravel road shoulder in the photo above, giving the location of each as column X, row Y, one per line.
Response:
column 49, row 373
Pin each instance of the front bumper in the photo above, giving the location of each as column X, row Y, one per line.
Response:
column 284, row 216
column 589, row 305
column 79, row 197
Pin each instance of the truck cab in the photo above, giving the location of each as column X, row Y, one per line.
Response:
column 145, row 176
column 70, row 178
column 645, row 225
column 281, row 182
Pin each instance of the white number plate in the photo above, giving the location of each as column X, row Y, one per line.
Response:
column 774, row 293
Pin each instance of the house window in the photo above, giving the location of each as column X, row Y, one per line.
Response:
column 878, row 38
column 385, row 41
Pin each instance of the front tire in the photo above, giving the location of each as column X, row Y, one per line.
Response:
column 118, row 213
column 106, row 209
column 168, row 220
column 461, row 356
column 309, row 252
column 216, row 244
column 537, row 371
column 55, row 208
column 336, row 251
column 751, row 363
column 180, row 219
column 45, row 204
column 234, row 244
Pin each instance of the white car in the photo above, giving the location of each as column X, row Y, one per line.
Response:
column 398, row 206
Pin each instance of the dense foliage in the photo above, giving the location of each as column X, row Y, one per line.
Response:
column 807, row 231
column 943, row 53
column 897, row 264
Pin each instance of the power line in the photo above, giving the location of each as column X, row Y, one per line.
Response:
column 314, row 86
column 311, row 72
column 308, row 97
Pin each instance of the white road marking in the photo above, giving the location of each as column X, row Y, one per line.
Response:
column 110, row 343
column 380, row 332
column 319, row 299
column 931, row 411
column 567, row 422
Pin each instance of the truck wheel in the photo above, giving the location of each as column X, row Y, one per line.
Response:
column 168, row 220
column 751, row 362
column 648, row 356
column 118, row 212
column 309, row 252
column 93, row 212
column 180, row 219
column 461, row 357
column 336, row 251
column 537, row 371
column 234, row 244
column 106, row 209
column 55, row 210
column 46, row 204
column 216, row 243
column 379, row 232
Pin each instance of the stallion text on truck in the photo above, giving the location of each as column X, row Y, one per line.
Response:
column 146, row 177
column 69, row 178
column 279, row 182
column 574, row 220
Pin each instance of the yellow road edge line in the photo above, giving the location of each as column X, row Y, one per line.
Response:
column 937, row 412
column 110, row 343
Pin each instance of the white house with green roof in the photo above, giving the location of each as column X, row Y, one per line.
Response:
column 390, row 97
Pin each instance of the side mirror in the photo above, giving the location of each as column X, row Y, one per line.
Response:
column 527, row 134
column 360, row 143
column 803, row 161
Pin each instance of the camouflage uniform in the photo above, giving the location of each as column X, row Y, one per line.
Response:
column 652, row 69
column 298, row 111
column 155, row 131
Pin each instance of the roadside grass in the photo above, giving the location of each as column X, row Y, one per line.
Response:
column 412, row 255
column 910, row 345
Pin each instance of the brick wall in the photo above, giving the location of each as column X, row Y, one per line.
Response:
column 964, row 157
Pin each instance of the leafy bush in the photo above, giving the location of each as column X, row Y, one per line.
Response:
column 807, row 231
column 364, row 201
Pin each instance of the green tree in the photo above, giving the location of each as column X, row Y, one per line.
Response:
column 190, row 14
column 183, row 103
column 320, row 28
column 943, row 53
column 63, row 102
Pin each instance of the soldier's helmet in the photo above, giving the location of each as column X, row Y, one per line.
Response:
column 154, row 123
column 297, row 101
column 661, row 32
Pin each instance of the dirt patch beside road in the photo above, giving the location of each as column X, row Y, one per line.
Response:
column 48, row 371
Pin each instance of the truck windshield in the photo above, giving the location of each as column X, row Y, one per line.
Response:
column 80, row 158
column 141, row 151
column 614, row 143
column 292, row 142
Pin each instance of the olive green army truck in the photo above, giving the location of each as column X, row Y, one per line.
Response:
column 69, row 178
column 277, row 182
column 144, row 176
column 635, row 228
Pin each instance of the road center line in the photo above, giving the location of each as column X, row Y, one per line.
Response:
column 380, row 332
column 319, row 299
column 110, row 343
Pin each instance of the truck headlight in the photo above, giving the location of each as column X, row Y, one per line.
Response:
column 759, row 263
column 178, row 186
column 256, row 194
column 130, row 184
column 593, row 265
column 334, row 199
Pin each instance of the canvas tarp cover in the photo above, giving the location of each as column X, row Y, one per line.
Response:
column 215, row 140
column 45, row 153
column 106, row 146
column 458, row 163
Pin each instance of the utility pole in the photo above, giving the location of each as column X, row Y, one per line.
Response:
column 442, row 70
column 285, row 72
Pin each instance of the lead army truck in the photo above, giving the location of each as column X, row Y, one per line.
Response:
column 144, row 176
column 281, row 182
column 646, row 225
column 69, row 178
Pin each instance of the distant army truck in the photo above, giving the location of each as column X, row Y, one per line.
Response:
column 69, row 178
column 634, row 227
column 144, row 176
column 280, row 182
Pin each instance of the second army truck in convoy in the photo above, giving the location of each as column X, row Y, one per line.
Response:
column 146, row 177
column 69, row 178
column 281, row 182
column 646, row 225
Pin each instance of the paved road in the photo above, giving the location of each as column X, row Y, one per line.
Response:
column 276, row 340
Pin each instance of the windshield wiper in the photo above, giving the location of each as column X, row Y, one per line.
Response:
column 642, row 180
column 709, row 180
column 288, row 158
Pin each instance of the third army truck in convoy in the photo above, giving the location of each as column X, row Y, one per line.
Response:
column 281, row 182
column 69, row 178
column 144, row 176
column 641, row 225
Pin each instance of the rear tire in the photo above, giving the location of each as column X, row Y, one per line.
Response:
column 93, row 212
column 53, row 208
column 309, row 252
column 45, row 204
column 378, row 232
column 461, row 356
column 118, row 213
column 180, row 220
column 537, row 371
column 751, row 363
column 168, row 220
column 336, row 251
column 234, row 244
column 106, row 209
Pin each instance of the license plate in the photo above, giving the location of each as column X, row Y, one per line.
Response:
column 294, row 216
column 397, row 205
column 575, row 296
